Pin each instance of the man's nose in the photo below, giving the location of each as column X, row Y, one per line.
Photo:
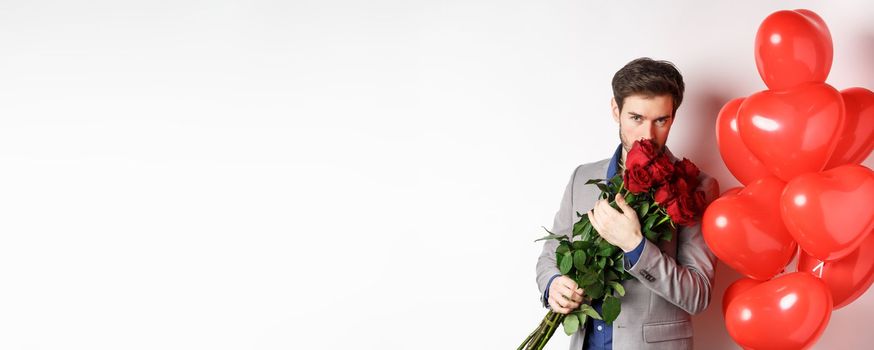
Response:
column 649, row 132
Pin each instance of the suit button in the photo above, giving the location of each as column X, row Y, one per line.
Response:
column 600, row 328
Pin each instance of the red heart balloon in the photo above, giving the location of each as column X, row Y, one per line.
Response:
column 737, row 288
column 857, row 139
column 745, row 167
column 792, row 131
column 829, row 213
column 847, row 278
column 745, row 230
column 793, row 47
column 789, row 312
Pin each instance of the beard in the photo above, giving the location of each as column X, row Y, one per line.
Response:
column 625, row 145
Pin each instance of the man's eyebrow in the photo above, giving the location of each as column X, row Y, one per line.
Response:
column 638, row 115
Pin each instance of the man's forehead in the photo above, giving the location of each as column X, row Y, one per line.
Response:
column 649, row 106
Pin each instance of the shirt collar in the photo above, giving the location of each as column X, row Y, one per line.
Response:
column 613, row 168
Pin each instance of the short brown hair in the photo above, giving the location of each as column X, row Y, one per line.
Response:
column 648, row 77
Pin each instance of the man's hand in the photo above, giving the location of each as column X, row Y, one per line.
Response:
column 620, row 229
column 564, row 295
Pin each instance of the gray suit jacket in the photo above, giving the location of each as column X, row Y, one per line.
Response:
column 672, row 280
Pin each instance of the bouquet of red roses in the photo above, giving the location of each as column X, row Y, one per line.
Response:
column 663, row 195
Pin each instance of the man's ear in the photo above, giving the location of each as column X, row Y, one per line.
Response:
column 615, row 108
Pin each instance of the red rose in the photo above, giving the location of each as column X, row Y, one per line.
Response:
column 674, row 211
column 687, row 170
column 700, row 203
column 661, row 169
column 637, row 179
column 641, row 153
column 665, row 193
column 680, row 187
column 682, row 210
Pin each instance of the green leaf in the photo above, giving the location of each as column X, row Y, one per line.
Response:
column 594, row 181
column 595, row 290
column 562, row 247
column 667, row 236
column 602, row 243
column 611, row 308
column 587, row 232
column 616, row 180
column 581, row 225
column 601, row 263
column 580, row 259
column 571, row 324
column 606, row 251
column 651, row 235
column 567, row 261
column 588, row 278
column 581, row 245
column 578, row 227
column 587, row 310
column 550, row 237
column 618, row 288
column 617, row 262
column 583, row 317
column 602, row 187
column 649, row 222
column 644, row 209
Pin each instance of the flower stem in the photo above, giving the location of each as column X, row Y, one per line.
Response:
column 538, row 339
column 530, row 336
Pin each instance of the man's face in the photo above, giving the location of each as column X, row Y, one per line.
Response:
column 644, row 118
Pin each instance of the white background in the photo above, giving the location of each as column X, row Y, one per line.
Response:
column 334, row 174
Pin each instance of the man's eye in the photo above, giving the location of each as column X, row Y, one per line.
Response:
column 662, row 121
column 635, row 117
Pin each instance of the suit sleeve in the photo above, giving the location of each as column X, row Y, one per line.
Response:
column 686, row 282
column 562, row 224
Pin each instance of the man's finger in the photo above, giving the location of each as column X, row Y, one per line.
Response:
column 558, row 308
column 599, row 215
column 569, row 282
column 594, row 220
column 626, row 209
column 576, row 298
column 565, row 305
column 607, row 211
column 566, row 292
column 571, row 291
column 572, row 305
column 562, row 302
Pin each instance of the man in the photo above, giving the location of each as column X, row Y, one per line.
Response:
column 672, row 280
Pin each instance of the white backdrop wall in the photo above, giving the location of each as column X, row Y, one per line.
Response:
column 334, row 174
